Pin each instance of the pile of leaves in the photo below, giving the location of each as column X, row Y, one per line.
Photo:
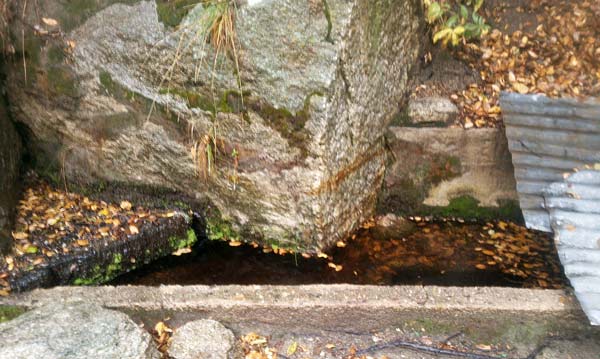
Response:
column 546, row 47
column 53, row 223
column 256, row 346
column 513, row 250
column 161, row 335
column 560, row 57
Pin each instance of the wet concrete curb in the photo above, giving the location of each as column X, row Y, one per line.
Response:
column 327, row 307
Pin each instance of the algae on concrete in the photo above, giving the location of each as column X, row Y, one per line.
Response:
column 9, row 312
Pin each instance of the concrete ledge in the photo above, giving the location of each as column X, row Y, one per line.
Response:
column 328, row 307
column 325, row 296
column 349, row 315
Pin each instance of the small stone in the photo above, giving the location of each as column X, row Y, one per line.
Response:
column 207, row 339
column 74, row 330
column 432, row 110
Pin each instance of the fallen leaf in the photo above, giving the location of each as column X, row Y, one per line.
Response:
column 292, row 348
column 49, row 21
column 20, row 235
column 520, row 88
column 484, row 347
column 31, row 249
column 181, row 251
column 133, row 229
column 126, row 205
column 334, row 266
column 235, row 243
column 83, row 242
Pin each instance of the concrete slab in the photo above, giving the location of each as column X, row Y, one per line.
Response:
column 328, row 320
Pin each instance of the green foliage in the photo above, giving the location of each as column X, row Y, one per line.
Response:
column 455, row 21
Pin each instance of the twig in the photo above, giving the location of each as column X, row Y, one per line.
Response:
column 452, row 337
column 425, row 349
column 537, row 351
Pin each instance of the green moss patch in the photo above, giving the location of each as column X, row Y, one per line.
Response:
column 468, row 207
column 219, row 229
column 101, row 275
column 188, row 241
column 9, row 312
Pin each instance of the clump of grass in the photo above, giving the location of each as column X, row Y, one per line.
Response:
column 214, row 27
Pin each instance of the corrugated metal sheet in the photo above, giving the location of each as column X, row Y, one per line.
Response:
column 574, row 208
column 548, row 137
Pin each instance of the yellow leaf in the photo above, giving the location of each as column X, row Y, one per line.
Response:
column 442, row 34
column 182, row 251
column 126, row 205
column 459, row 30
column 133, row 229
column 161, row 328
column 104, row 212
column 20, row 235
column 52, row 221
column 520, row 88
column 334, row 266
column 292, row 348
column 31, row 249
column 50, row 22
column 235, row 243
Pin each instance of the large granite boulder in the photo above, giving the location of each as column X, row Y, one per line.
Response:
column 10, row 161
column 75, row 330
column 129, row 91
